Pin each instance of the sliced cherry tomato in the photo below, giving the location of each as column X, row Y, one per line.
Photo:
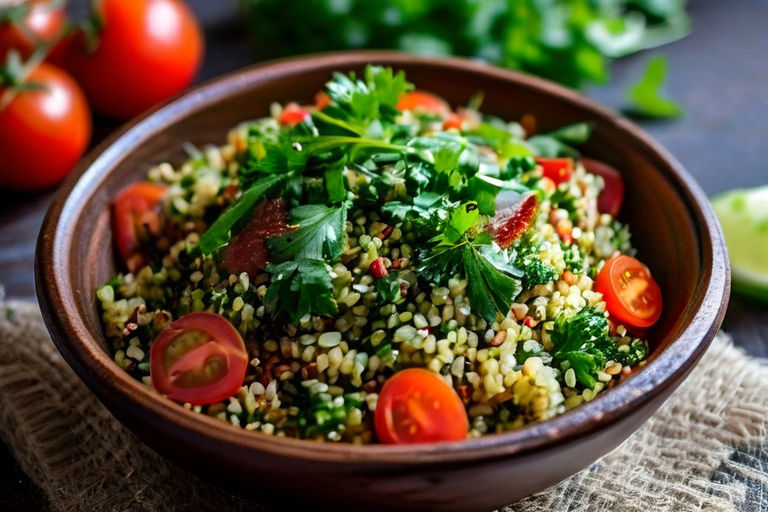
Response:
column 612, row 195
column 416, row 406
column 39, row 22
column 510, row 223
column 43, row 131
column 422, row 101
column 247, row 252
column 200, row 358
column 136, row 218
column 147, row 51
column 292, row 115
column 631, row 295
column 558, row 170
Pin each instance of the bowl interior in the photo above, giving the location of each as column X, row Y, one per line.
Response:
column 672, row 230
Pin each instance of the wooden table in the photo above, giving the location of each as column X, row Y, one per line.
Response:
column 719, row 73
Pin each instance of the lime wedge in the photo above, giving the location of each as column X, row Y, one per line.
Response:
column 743, row 214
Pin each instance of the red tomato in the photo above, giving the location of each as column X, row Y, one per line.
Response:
column 415, row 406
column 147, row 51
column 559, row 170
column 42, row 22
column 510, row 223
column 42, row 132
column 631, row 295
column 322, row 100
column 453, row 120
column 200, row 358
column 292, row 115
column 136, row 218
column 422, row 101
column 377, row 268
column 247, row 251
column 612, row 195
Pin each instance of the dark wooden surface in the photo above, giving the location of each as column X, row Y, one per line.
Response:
column 718, row 73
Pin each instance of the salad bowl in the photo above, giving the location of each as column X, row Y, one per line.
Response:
column 673, row 227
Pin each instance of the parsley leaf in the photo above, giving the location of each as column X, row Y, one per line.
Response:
column 560, row 142
column 300, row 287
column 578, row 339
column 359, row 102
column 646, row 98
column 388, row 288
column 320, row 234
column 218, row 233
column 583, row 340
column 335, row 184
column 493, row 283
column 493, row 280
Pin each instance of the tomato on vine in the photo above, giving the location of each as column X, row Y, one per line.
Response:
column 45, row 124
column 134, row 54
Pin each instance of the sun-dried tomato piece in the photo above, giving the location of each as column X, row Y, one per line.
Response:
column 510, row 223
column 247, row 252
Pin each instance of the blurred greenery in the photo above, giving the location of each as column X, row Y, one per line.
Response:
column 569, row 41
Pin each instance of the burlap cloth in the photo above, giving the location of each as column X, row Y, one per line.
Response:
column 705, row 449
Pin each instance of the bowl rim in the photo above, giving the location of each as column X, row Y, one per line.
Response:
column 104, row 376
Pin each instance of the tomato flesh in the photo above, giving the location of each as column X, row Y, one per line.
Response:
column 612, row 195
column 416, row 406
column 247, row 251
column 43, row 132
column 293, row 115
column 454, row 120
column 559, row 170
column 200, row 359
column 322, row 100
column 631, row 294
column 510, row 223
column 136, row 218
column 422, row 101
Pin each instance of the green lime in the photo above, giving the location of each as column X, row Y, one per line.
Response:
column 743, row 213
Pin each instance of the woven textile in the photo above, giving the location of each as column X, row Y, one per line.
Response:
column 705, row 449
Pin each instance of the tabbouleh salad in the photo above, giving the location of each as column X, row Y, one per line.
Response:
column 378, row 267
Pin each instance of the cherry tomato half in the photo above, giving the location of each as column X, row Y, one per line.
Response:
column 43, row 132
column 135, row 219
column 631, row 295
column 200, row 358
column 415, row 406
column 422, row 101
column 147, row 51
column 559, row 170
column 612, row 195
column 42, row 21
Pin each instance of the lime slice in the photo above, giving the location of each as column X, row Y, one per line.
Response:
column 743, row 213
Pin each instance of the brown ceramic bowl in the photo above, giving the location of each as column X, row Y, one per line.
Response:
column 672, row 223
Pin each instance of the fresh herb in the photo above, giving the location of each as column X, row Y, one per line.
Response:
column 300, row 287
column 578, row 339
column 584, row 341
column 320, row 234
column 388, row 288
column 646, row 96
column 561, row 142
column 571, row 42
column 493, row 280
column 219, row 232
